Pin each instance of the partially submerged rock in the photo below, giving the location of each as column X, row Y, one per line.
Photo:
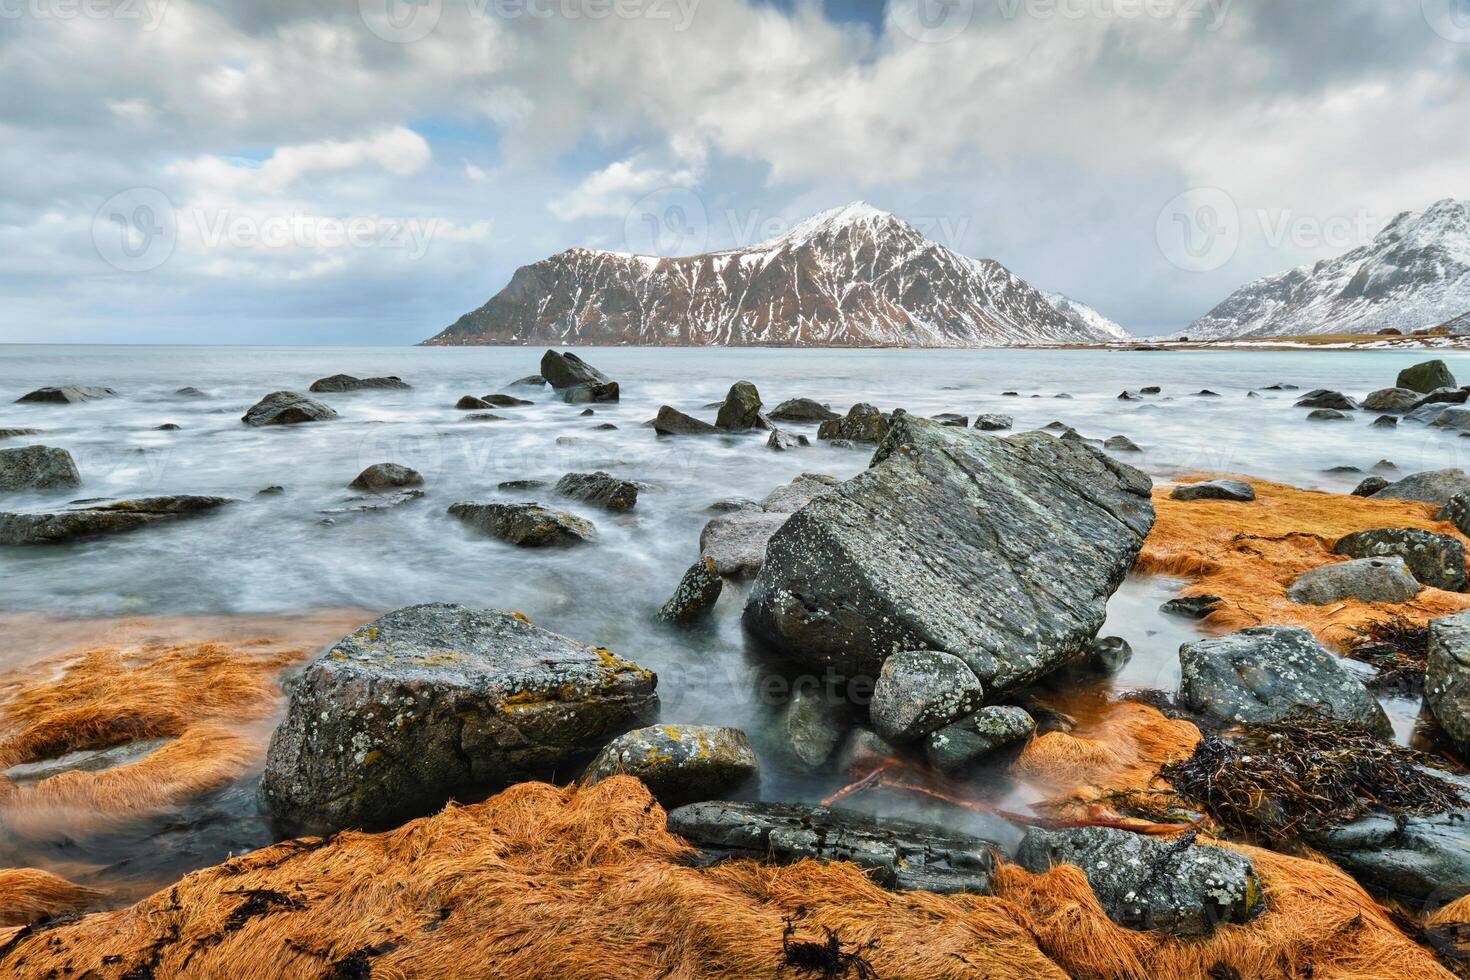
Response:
column 1322, row 398
column 862, row 423
column 1392, row 400
column 1437, row 560
column 811, row 727
column 525, row 525
column 578, row 381
column 431, row 700
column 506, row 401
column 741, row 410
column 470, row 403
column 1369, row 486
column 67, row 394
column 922, row 691
column 38, row 468
column 601, row 489
column 944, row 544
column 958, row 746
column 1426, row 376
column 802, row 410
column 381, row 477
column 679, row 763
column 899, row 854
column 1267, row 673
column 1192, row 606
column 786, row 441
column 105, row 518
column 994, row 423
column 287, row 408
column 346, row 382
column 1430, row 486
column 1368, row 579
column 671, row 422
column 1326, row 415
column 1176, row 886
column 1215, row 490
column 696, row 595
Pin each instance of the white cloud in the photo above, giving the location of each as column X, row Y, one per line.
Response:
column 398, row 151
column 612, row 191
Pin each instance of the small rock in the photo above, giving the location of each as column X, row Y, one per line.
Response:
column 1107, row 655
column 1265, row 673
column 191, row 392
column 605, row 427
column 736, row 541
column 950, row 418
column 802, row 410
column 1385, row 466
column 1321, row 398
column 529, row 381
column 1121, row 444
column 921, row 691
column 386, row 476
column 792, row 497
column 521, row 484
column 1237, row 490
column 1452, row 418
column 1369, row 486
column 786, row 441
column 994, row 423
column 960, row 745
column 67, row 394
column 1368, row 579
column 1442, row 397
column 679, row 764
column 287, row 408
column 1385, row 422
column 1150, row 390
column 504, row 401
column 525, row 525
column 470, row 403
column 1325, row 415
column 741, row 410
column 1192, row 606
column 1426, row 376
column 271, row 491
column 1207, row 393
column 18, row 433
column 672, row 422
column 696, row 595
column 1129, row 396
column 38, row 468
column 863, row 423
column 1437, row 560
column 587, row 411
column 346, row 382
column 483, row 417
column 600, row 489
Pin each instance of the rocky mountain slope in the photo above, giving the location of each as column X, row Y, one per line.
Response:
column 1414, row 274
column 851, row 277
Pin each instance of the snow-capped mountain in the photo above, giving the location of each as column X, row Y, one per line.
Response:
column 1081, row 311
column 1414, row 274
column 851, row 277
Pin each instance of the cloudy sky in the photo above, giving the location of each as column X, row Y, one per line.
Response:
column 364, row 171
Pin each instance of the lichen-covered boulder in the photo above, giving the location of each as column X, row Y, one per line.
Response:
column 1447, row 676
column 1437, row 560
column 741, row 410
column 114, row 517
column 921, row 691
column 287, row 408
column 962, row 744
column 696, row 595
column 1237, row 490
column 1266, row 673
column 386, row 476
column 38, row 468
column 433, row 700
column 67, row 394
column 1368, row 579
column 862, row 423
column 1173, row 886
column 680, row 763
column 600, row 489
column 525, row 525
column 1002, row 552
column 1426, row 376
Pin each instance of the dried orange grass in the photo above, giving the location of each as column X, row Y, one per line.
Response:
column 1248, row 553
column 27, row 894
column 1122, row 749
column 541, row 881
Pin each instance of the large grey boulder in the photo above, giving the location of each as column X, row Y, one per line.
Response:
column 1426, row 376
column 576, row 380
column 287, row 408
column 433, row 700
column 802, row 410
column 1392, row 400
column 67, row 394
column 1437, row 560
column 1447, row 676
column 671, row 422
column 601, row 489
column 696, row 595
column 679, row 763
column 1173, row 886
column 957, row 746
column 736, row 540
column 921, row 691
column 1430, row 486
column 381, row 477
column 741, row 410
column 346, row 382
column 897, row 854
column 38, row 468
column 525, row 525
column 1265, row 673
column 1002, row 552
column 114, row 517
column 1368, row 579
column 862, row 423
column 1214, row 490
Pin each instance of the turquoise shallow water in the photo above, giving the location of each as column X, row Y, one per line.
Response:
column 275, row 554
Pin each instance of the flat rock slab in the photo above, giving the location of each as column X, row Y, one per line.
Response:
column 38, row 468
column 1368, row 579
column 430, row 700
column 1266, row 673
column 1002, row 552
column 1215, row 490
column 680, row 763
column 1437, row 560
column 287, row 408
column 897, row 854
column 525, row 525
column 1411, row 858
column 67, row 394
column 346, row 382
column 58, row 527
column 1174, row 886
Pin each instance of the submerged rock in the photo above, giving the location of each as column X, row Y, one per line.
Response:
column 1171, row 885
column 287, row 408
column 190, row 391
column 671, row 422
column 601, row 489
column 1368, row 579
column 1215, row 490
column 1430, row 486
column 696, row 595
column 105, row 518
column 470, row 403
column 812, row 727
column 67, row 394
column 1447, row 677
column 38, row 468
column 741, row 410
column 346, row 382
column 1385, row 422
column 802, row 410
column 506, row 401
column 1266, row 673
column 942, row 544
column 1426, row 376
column 897, row 854
column 862, row 423
column 1437, row 560
column 960, row 745
column 921, row 691
column 386, row 476
column 1107, row 655
column 1325, row 415
column 525, row 525
column 1192, row 606
column 679, row 763
column 18, row 433
column 431, row 700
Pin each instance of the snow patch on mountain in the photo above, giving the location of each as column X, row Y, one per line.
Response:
column 1086, row 314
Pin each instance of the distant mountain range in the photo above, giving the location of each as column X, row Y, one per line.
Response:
column 1414, row 274
column 850, row 277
